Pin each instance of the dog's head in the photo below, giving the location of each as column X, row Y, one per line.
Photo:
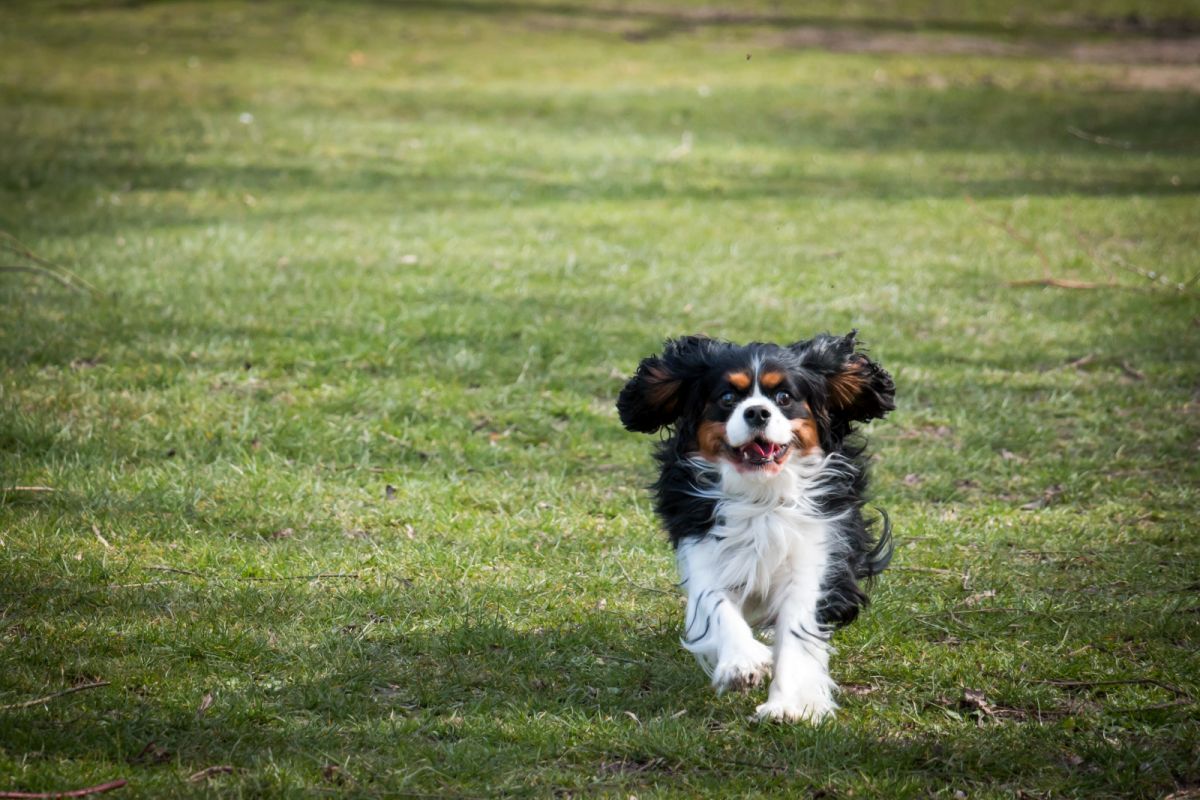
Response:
column 756, row 405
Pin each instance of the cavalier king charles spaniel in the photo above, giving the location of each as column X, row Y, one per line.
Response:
column 761, row 488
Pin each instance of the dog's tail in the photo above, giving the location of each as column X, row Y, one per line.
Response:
column 876, row 560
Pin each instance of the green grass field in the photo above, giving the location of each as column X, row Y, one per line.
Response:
column 340, row 503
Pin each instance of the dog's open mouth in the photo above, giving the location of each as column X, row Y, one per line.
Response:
column 758, row 452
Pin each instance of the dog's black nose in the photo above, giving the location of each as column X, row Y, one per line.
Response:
column 757, row 416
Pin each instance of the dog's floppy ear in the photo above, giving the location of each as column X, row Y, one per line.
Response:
column 656, row 395
column 858, row 388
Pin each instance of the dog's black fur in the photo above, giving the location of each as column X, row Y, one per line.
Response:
column 840, row 386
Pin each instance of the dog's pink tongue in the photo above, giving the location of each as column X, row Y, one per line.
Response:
column 761, row 452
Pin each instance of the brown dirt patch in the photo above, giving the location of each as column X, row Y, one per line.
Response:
column 1181, row 52
column 1151, row 64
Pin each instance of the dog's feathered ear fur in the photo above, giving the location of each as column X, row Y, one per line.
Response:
column 858, row 389
column 656, row 395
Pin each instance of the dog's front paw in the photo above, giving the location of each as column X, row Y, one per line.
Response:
column 744, row 669
column 813, row 708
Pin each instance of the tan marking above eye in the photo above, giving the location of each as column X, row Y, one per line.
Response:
column 739, row 380
column 769, row 380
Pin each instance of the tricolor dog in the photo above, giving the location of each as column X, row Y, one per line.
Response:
column 761, row 489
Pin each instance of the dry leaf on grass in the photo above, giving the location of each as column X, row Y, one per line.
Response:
column 208, row 772
column 151, row 754
column 335, row 774
column 1048, row 497
column 979, row 596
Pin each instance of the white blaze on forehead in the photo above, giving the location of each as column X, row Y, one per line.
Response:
column 738, row 432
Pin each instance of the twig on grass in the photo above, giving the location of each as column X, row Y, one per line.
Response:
column 1084, row 684
column 1018, row 236
column 1072, row 553
column 162, row 568
column 1097, row 255
column 952, row 611
column 1082, row 361
column 208, row 772
column 931, row 570
column 1070, row 283
column 1062, row 283
column 39, row 701
column 313, row 577
column 1132, row 372
column 31, row 489
column 1150, row 275
column 976, row 703
column 776, row 769
column 622, row 659
column 100, row 536
column 98, row 789
column 1182, row 697
column 1096, row 139
column 438, row 796
column 637, row 585
column 373, row 470
column 36, row 270
column 41, row 266
column 1176, row 703
column 1184, row 794
column 318, row 576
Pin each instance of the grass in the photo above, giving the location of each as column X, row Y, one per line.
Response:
column 419, row 246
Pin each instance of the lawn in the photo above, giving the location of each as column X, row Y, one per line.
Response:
column 311, row 480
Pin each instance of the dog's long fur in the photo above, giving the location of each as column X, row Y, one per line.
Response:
column 761, row 488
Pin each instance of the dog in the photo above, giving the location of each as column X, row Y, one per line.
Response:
column 761, row 489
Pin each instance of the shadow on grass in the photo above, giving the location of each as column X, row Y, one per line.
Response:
column 629, row 707
column 665, row 18
column 330, row 192
column 882, row 130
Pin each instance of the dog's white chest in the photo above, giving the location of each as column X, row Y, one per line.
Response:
column 757, row 543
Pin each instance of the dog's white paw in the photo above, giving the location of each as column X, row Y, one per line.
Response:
column 744, row 669
column 813, row 708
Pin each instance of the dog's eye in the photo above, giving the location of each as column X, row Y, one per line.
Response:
column 727, row 400
column 783, row 399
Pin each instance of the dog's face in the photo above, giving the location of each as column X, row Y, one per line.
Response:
column 756, row 414
column 755, row 406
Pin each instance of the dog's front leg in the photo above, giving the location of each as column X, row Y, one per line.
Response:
column 714, row 629
column 801, row 688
